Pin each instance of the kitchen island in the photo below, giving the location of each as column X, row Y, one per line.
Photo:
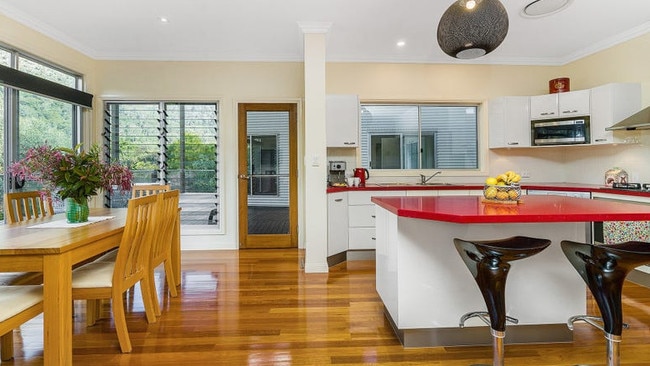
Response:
column 425, row 286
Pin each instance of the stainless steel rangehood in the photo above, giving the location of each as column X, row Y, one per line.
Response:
column 638, row 121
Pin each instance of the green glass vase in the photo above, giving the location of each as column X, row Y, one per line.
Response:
column 76, row 212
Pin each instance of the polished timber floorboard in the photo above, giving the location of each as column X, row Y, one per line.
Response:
column 256, row 307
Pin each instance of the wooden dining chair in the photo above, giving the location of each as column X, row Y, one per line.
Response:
column 110, row 280
column 161, row 248
column 18, row 304
column 21, row 206
column 139, row 190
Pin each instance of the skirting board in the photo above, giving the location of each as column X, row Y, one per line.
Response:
column 480, row 336
column 351, row 255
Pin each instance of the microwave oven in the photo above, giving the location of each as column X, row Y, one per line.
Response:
column 564, row 131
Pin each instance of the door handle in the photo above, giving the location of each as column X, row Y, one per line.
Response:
column 244, row 176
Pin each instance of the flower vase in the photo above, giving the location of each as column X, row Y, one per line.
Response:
column 76, row 212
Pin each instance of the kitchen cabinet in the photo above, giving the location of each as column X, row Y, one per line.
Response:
column 337, row 223
column 560, row 105
column 509, row 122
column 342, row 120
column 361, row 218
column 610, row 104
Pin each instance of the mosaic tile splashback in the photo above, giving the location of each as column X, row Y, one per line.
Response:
column 621, row 231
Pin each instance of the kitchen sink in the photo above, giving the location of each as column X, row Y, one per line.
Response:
column 393, row 184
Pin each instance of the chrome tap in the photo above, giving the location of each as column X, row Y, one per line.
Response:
column 424, row 179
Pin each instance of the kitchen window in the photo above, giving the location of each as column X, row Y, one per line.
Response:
column 419, row 136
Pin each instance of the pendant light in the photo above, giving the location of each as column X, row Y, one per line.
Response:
column 472, row 28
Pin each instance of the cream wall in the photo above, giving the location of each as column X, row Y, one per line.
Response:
column 226, row 83
column 18, row 36
column 230, row 83
column 467, row 83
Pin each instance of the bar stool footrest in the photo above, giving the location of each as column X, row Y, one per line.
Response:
column 594, row 321
column 484, row 316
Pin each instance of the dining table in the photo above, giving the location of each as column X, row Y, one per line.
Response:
column 52, row 246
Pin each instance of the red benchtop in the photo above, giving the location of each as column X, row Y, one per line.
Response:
column 533, row 209
column 570, row 187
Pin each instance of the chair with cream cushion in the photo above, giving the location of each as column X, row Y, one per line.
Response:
column 18, row 304
column 21, row 206
column 139, row 190
column 161, row 248
column 110, row 280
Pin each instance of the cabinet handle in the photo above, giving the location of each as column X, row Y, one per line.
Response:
column 349, row 143
column 573, row 111
column 600, row 140
column 373, row 216
column 513, row 143
column 338, row 199
column 373, row 238
column 547, row 113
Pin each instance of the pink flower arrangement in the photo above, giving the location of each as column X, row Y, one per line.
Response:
column 71, row 173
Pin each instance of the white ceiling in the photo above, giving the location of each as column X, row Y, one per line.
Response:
column 361, row 30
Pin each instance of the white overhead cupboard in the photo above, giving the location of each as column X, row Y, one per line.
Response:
column 509, row 126
column 342, row 120
column 560, row 105
column 505, row 116
column 610, row 104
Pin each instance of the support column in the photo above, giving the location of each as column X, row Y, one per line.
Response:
column 315, row 164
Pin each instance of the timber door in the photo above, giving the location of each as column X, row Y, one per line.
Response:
column 268, row 215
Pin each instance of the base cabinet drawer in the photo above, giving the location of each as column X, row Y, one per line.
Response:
column 361, row 238
column 361, row 216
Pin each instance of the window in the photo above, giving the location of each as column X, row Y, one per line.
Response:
column 423, row 136
column 28, row 118
column 169, row 143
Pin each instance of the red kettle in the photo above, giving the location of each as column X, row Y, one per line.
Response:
column 362, row 174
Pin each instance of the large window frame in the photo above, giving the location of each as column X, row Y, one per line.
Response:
column 167, row 142
column 28, row 80
column 403, row 138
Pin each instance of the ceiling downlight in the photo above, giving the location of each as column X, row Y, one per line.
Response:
column 541, row 8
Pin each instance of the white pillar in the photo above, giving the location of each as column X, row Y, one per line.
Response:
column 315, row 164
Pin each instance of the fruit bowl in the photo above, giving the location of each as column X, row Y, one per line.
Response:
column 502, row 193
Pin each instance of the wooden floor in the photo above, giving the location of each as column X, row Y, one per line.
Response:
column 256, row 307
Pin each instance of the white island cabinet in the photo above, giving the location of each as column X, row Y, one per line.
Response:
column 426, row 287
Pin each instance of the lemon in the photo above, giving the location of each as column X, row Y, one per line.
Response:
column 491, row 181
column 490, row 192
column 501, row 183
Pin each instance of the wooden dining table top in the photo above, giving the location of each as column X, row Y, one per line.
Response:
column 25, row 239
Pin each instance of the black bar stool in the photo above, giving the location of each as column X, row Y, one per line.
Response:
column 604, row 268
column 489, row 263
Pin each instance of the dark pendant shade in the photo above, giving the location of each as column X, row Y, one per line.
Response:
column 470, row 33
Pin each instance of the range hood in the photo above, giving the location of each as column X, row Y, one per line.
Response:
column 638, row 121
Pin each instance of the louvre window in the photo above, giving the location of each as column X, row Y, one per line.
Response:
column 168, row 143
column 419, row 136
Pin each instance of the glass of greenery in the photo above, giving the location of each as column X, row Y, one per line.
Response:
column 71, row 174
